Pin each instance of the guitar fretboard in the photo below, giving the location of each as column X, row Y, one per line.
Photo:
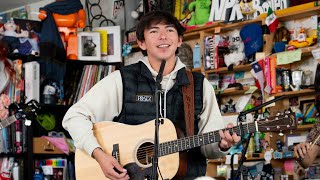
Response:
column 200, row 140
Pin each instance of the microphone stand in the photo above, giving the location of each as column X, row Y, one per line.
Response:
column 157, row 123
column 243, row 169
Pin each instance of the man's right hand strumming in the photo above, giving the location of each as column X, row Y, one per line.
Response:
column 306, row 153
column 301, row 150
column 110, row 166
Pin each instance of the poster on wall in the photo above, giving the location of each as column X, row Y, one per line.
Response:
column 107, row 13
column 118, row 13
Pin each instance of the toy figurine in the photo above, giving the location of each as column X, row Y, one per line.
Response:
column 11, row 37
column 302, row 39
column 201, row 13
column 59, row 30
column 246, row 7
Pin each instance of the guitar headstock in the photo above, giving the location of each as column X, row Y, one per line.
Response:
column 282, row 121
column 26, row 111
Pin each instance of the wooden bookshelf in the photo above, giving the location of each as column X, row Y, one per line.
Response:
column 233, row 91
column 295, row 93
column 222, row 70
column 223, row 159
column 305, row 127
column 306, row 51
column 231, row 26
column 296, row 12
column 196, row 70
column 230, row 114
column 203, row 27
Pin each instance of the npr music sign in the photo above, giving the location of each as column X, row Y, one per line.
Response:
column 229, row 10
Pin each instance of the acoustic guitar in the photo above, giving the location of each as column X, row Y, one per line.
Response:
column 132, row 145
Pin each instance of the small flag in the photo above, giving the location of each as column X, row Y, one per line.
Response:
column 271, row 21
column 258, row 74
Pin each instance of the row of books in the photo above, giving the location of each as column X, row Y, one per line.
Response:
column 91, row 74
column 13, row 137
column 215, row 49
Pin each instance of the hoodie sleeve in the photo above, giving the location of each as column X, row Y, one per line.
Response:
column 210, row 120
column 100, row 103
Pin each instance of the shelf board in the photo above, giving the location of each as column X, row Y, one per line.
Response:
column 196, row 70
column 222, row 70
column 306, row 51
column 96, row 62
column 230, row 26
column 295, row 12
column 202, row 27
column 295, row 93
column 135, row 46
column 223, row 159
column 191, row 35
column 305, row 127
column 230, row 114
column 233, row 91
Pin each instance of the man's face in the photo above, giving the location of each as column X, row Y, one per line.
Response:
column 161, row 42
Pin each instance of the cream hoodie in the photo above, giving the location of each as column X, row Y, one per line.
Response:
column 104, row 102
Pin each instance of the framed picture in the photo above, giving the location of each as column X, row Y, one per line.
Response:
column 110, row 43
column 89, row 46
column 308, row 110
column 292, row 139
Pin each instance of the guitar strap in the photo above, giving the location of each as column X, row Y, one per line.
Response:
column 188, row 102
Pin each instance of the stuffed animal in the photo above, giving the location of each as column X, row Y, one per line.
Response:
column 11, row 37
column 201, row 13
column 236, row 48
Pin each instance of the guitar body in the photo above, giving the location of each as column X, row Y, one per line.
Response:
column 133, row 146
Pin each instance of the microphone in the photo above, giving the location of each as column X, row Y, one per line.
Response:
column 159, row 76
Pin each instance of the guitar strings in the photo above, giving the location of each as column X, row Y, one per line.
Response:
column 170, row 144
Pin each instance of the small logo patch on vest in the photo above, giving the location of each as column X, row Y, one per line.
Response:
column 144, row 98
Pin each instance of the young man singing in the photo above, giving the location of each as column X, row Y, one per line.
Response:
column 159, row 35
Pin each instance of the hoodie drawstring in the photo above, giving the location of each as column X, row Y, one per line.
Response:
column 165, row 96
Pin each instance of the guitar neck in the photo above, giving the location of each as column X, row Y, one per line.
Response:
column 200, row 140
column 6, row 122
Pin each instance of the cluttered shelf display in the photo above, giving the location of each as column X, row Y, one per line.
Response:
column 278, row 65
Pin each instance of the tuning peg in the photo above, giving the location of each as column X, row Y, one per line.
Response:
column 27, row 122
column 280, row 133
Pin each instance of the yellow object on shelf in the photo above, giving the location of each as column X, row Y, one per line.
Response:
column 293, row 9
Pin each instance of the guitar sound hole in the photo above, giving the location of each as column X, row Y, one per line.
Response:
column 145, row 153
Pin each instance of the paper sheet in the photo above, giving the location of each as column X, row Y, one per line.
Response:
column 288, row 57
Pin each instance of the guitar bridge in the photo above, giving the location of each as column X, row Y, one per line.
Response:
column 115, row 152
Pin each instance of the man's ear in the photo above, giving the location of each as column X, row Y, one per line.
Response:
column 142, row 44
column 179, row 41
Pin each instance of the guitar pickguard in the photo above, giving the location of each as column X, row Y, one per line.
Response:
column 135, row 172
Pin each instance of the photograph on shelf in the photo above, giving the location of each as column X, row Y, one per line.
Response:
column 292, row 139
column 110, row 43
column 89, row 46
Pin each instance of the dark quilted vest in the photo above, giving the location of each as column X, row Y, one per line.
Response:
column 137, row 80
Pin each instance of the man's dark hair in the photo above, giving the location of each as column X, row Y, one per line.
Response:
column 156, row 17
